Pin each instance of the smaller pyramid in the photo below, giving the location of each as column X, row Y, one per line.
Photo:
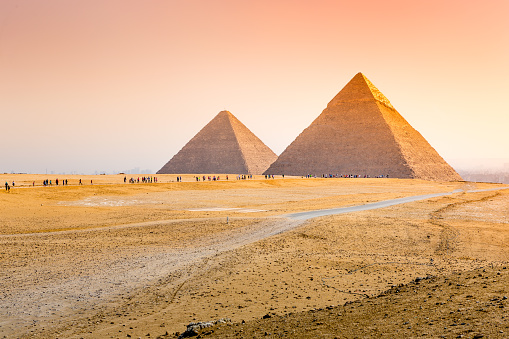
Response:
column 224, row 145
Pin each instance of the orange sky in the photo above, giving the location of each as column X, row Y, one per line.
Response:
column 114, row 85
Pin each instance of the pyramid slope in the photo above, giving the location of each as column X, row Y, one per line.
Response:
column 220, row 147
column 420, row 155
column 257, row 155
column 361, row 133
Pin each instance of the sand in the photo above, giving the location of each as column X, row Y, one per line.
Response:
column 119, row 260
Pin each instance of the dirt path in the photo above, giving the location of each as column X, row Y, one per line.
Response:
column 376, row 205
column 29, row 304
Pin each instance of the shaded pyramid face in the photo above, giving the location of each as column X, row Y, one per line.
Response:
column 223, row 146
column 360, row 133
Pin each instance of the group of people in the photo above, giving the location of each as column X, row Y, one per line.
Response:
column 145, row 180
column 49, row 182
column 347, row 176
column 148, row 179
column 217, row 178
column 204, row 178
column 244, row 176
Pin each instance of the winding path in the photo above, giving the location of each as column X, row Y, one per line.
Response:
column 376, row 205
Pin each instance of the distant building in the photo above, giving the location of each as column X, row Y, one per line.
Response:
column 501, row 177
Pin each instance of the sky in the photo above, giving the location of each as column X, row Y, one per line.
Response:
column 113, row 85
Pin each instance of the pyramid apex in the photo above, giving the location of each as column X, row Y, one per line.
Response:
column 359, row 75
column 359, row 88
column 225, row 113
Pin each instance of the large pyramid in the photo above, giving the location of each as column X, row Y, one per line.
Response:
column 360, row 133
column 224, row 145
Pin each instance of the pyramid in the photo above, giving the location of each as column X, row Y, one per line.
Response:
column 360, row 133
column 224, row 145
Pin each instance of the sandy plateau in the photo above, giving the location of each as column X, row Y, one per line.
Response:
column 115, row 260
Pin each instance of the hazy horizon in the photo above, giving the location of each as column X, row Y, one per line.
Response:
column 460, row 165
column 115, row 85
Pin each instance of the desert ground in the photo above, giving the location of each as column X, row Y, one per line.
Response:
column 111, row 260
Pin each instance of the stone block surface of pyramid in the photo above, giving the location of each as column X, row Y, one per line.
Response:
column 360, row 133
column 224, row 145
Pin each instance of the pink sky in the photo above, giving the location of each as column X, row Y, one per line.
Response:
column 114, row 85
